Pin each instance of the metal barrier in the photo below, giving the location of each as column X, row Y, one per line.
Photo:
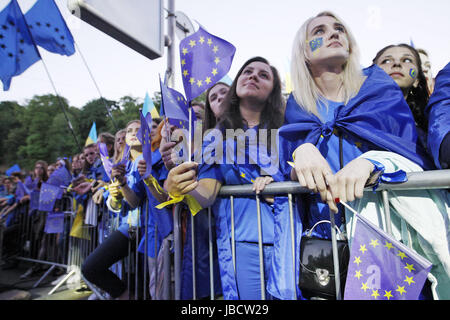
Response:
column 436, row 179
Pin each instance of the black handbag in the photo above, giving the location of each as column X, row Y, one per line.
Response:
column 317, row 278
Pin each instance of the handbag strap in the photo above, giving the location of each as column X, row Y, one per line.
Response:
column 319, row 222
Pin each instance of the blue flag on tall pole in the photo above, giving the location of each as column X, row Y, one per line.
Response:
column 175, row 107
column 17, row 49
column 382, row 268
column 205, row 59
column 48, row 28
column 144, row 137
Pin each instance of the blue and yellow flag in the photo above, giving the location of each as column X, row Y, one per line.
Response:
column 382, row 268
column 92, row 138
column 48, row 28
column 205, row 59
column 149, row 106
column 17, row 49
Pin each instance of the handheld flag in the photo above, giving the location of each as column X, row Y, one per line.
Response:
column 92, row 138
column 60, row 177
column 14, row 168
column 205, row 59
column 48, row 28
column 106, row 161
column 54, row 222
column 381, row 267
column 48, row 196
column 17, row 49
column 149, row 106
column 175, row 107
column 144, row 137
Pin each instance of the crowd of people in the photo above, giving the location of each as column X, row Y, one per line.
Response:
column 341, row 130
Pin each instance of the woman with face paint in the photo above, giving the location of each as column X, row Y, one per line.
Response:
column 402, row 63
column 344, row 127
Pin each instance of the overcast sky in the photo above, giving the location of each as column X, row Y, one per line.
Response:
column 256, row 27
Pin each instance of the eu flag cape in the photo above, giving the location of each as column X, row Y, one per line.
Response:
column 438, row 113
column 378, row 114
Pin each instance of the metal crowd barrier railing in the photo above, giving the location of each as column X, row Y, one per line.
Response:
column 436, row 179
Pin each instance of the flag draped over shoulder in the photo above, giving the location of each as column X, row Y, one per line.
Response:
column 48, row 28
column 144, row 137
column 92, row 137
column 383, row 268
column 106, row 161
column 175, row 107
column 17, row 49
column 205, row 59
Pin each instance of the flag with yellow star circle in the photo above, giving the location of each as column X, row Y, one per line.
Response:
column 382, row 268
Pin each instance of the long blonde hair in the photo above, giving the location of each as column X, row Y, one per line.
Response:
column 304, row 89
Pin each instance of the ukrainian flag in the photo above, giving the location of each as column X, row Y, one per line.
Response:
column 92, row 138
column 149, row 106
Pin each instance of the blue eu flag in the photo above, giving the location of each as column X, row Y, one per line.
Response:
column 17, row 50
column 205, row 59
column 106, row 161
column 48, row 28
column 175, row 107
column 49, row 194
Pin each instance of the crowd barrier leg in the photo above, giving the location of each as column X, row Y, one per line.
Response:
column 2, row 228
column 146, row 268
column 233, row 246
column 177, row 250
column 291, row 224
column 337, row 273
column 211, row 257
column 260, row 248
column 167, row 271
column 194, row 280
column 387, row 212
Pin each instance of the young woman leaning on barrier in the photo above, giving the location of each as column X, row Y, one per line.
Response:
column 254, row 101
column 127, row 193
column 335, row 115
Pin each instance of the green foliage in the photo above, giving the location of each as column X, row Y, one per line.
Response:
column 38, row 130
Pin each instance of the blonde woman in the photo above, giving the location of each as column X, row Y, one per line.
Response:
column 336, row 113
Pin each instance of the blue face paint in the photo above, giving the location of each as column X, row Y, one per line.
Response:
column 412, row 73
column 315, row 44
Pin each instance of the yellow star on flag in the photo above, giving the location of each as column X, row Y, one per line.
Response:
column 185, row 51
column 388, row 245
column 183, row 62
column 214, row 71
column 374, row 243
column 401, row 254
column 185, row 73
column 242, row 175
column 192, row 43
column 216, row 48
column 358, row 274
column 388, row 294
column 191, row 80
column 199, row 83
column 202, row 39
column 364, row 286
column 358, row 144
column 217, row 60
column 357, row 260
column 208, row 80
column 209, row 42
column 375, row 294
column 409, row 280
column 410, row 267
column 362, row 248
column 400, row 290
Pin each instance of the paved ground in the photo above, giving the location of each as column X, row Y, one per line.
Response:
column 14, row 288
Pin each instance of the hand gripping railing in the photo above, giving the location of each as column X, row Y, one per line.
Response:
column 435, row 179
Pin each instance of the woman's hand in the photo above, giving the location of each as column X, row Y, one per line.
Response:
column 260, row 183
column 98, row 196
column 118, row 173
column 142, row 167
column 115, row 191
column 182, row 179
column 351, row 179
